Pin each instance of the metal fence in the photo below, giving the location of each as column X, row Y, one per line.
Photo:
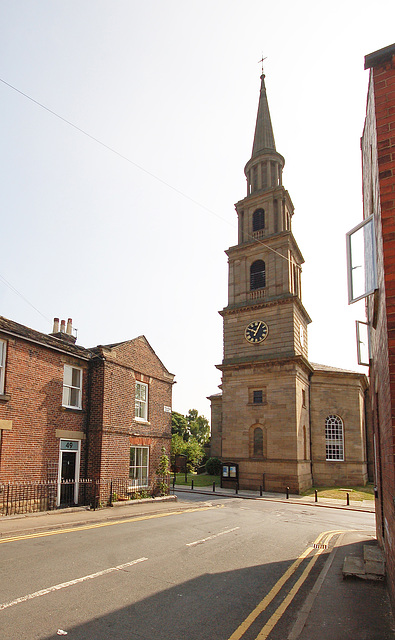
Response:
column 30, row 497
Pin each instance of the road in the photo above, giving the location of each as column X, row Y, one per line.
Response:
column 183, row 574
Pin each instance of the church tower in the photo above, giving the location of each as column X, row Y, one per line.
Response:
column 261, row 420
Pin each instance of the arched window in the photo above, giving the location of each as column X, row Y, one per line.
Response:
column 257, row 275
column 258, row 220
column 334, row 438
column 258, row 441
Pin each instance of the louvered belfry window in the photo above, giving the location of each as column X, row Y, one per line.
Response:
column 258, row 220
column 257, row 275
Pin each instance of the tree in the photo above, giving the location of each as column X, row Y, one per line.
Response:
column 198, row 426
column 179, row 425
column 192, row 449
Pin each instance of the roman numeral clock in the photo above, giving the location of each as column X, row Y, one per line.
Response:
column 256, row 332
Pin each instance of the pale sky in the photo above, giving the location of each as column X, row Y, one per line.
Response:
column 135, row 244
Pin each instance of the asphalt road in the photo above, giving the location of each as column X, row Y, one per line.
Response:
column 190, row 575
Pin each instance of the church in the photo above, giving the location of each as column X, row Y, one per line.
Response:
column 280, row 420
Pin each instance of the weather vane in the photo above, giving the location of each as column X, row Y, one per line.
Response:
column 261, row 61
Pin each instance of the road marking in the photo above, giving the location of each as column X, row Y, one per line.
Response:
column 70, row 583
column 242, row 628
column 98, row 525
column 326, row 537
column 263, row 634
column 215, row 535
column 308, row 604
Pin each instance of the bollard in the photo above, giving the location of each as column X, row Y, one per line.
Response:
column 287, row 492
column 237, row 488
column 110, row 494
column 174, row 481
column 348, row 499
column 260, row 491
column 192, row 484
column 214, row 486
column 316, row 496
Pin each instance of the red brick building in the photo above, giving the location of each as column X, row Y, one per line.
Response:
column 378, row 160
column 72, row 413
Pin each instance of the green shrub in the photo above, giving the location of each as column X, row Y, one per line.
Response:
column 213, row 466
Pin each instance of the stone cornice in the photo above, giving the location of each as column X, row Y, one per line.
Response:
column 264, row 361
column 274, row 241
column 260, row 304
column 265, row 194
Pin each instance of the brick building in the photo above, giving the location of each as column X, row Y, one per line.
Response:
column 280, row 419
column 75, row 413
column 378, row 164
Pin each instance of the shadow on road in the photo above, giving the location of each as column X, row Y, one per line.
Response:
column 212, row 606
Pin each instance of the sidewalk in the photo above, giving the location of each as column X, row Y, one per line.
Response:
column 354, row 505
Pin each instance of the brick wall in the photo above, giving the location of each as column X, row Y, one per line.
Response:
column 378, row 153
column 32, row 419
column 120, row 368
column 33, row 402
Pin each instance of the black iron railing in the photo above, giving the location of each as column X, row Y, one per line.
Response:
column 30, row 497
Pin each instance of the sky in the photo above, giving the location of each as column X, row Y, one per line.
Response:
column 116, row 211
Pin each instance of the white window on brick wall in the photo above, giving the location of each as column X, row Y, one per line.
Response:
column 3, row 346
column 334, row 438
column 141, row 401
column 72, row 387
column 138, row 469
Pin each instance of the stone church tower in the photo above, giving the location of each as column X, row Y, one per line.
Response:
column 280, row 420
column 265, row 372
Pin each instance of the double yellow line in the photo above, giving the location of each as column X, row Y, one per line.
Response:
column 99, row 525
column 318, row 547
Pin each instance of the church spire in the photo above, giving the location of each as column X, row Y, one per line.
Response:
column 264, row 169
column 263, row 138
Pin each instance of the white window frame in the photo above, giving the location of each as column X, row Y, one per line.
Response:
column 368, row 261
column 363, row 343
column 334, row 441
column 68, row 388
column 3, row 351
column 137, row 477
column 141, row 405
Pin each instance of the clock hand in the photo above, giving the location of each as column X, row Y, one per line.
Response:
column 257, row 329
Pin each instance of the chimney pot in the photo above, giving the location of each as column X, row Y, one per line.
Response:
column 63, row 326
column 55, row 325
column 69, row 330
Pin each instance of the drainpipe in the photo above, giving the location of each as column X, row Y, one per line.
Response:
column 88, row 410
column 310, row 438
column 87, row 417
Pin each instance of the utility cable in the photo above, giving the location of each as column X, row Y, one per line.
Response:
column 2, row 278
column 135, row 164
column 138, row 166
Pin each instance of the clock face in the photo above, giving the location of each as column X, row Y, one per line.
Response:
column 256, row 331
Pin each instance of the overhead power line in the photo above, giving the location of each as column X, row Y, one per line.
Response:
column 135, row 164
column 138, row 166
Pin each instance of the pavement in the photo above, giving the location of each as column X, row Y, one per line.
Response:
column 337, row 607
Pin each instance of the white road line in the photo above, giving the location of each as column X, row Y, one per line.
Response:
column 216, row 535
column 70, row 583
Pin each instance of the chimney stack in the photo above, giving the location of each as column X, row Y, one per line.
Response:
column 64, row 333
